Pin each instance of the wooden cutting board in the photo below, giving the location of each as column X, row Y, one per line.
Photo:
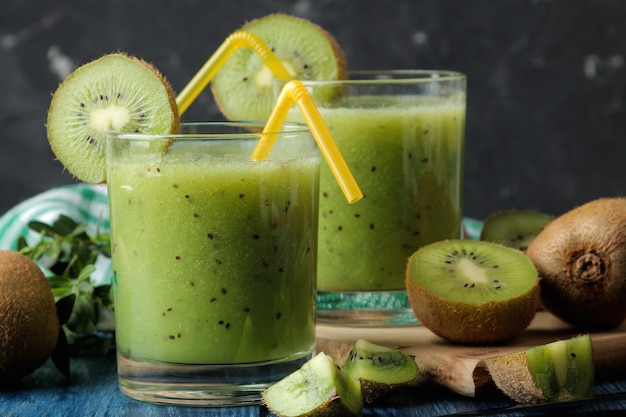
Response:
column 460, row 367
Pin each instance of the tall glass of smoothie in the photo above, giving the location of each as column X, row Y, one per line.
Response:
column 402, row 134
column 214, row 259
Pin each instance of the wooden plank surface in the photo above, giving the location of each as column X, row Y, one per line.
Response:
column 459, row 367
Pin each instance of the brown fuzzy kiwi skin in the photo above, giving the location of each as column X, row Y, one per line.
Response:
column 491, row 322
column 510, row 373
column 29, row 326
column 581, row 259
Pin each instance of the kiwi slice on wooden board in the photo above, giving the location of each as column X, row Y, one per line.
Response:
column 319, row 387
column 379, row 369
column 243, row 87
column 472, row 291
column 514, row 228
column 581, row 259
column 558, row 371
column 115, row 92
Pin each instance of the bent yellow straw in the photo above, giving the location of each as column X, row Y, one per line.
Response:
column 295, row 92
column 235, row 41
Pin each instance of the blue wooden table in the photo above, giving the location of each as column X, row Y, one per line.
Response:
column 92, row 391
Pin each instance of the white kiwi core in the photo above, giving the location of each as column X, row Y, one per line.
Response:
column 112, row 117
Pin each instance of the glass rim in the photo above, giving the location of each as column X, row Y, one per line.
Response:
column 391, row 76
column 287, row 128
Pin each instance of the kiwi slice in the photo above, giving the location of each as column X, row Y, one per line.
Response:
column 561, row 370
column 514, row 228
column 115, row 92
column 319, row 387
column 472, row 291
column 243, row 87
column 379, row 369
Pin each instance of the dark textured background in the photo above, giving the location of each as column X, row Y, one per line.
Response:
column 546, row 79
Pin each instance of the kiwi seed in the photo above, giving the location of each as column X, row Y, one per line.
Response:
column 115, row 92
column 472, row 291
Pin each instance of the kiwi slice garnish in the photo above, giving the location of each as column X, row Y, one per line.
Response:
column 472, row 291
column 115, row 92
column 379, row 369
column 243, row 87
column 514, row 228
column 319, row 387
column 557, row 371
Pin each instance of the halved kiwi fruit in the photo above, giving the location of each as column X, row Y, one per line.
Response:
column 557, row 371
column 514, row 228
column 319, row 387
column 472, row 291
column 243, row 87
column 115, row 92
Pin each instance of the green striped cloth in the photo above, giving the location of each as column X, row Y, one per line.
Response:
column 87, row 203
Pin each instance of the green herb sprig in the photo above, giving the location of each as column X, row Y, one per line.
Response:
column 68, row 255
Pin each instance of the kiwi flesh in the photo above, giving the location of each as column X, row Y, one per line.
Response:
column 581, row 259
column 514, row 228
column 318, row 388
column 379, row 369
column 115, row 92
column 29, row 325
column 558, row 371
column 470, row 291
column 244, row 87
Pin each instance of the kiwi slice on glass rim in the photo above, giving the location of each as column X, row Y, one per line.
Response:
column 243, row 88
column 115, row 92
column 472, row 291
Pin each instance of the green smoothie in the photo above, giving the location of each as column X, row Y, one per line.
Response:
column 406, row 155
column 213, row 256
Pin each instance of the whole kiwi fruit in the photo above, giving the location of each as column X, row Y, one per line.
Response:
column 581, row 260
column 29, row 325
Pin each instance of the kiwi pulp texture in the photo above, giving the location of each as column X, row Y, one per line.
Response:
column 115, row 92
column 514, row 228
column 472, row 291
column 243, row 87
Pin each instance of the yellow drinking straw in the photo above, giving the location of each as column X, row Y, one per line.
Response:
column 292, row 92
column 295, row 92
column 235, row 41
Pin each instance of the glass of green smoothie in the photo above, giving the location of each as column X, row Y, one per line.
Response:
column 402, row 134
column 214, row 259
